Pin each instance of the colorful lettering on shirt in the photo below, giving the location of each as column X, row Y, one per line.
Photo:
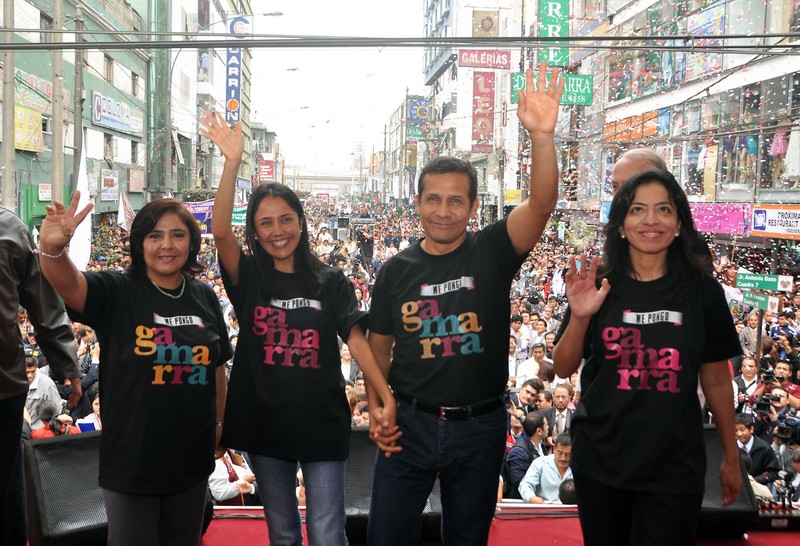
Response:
column 285, row 346
column 173, row 364
column 639, row 367
column 442, row 336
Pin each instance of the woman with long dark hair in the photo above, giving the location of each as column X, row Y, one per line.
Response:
column 650, row 321
column 287, row 405
column 163, row 381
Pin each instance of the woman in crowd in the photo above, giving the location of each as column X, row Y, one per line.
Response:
column 287, row 369
column 655, row 322
column 93, row 418
column 363, row 304
column 163, row 381
column 54, row 424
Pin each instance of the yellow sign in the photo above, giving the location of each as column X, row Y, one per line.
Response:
column 512, row 197
column 28, row 134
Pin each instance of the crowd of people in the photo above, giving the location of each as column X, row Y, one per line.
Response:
column 603, row 347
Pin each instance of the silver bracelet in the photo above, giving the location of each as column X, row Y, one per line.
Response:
column 51, row 256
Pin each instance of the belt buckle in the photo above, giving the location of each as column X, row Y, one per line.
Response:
column 453, row 412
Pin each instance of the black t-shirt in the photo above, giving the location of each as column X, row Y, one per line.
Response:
column 639, row 424
column 157, row 381
column 449, row 318
column 287, row 377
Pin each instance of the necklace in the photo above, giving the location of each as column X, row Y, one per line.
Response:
column 183, row 285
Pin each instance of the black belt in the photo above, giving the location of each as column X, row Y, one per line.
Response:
column 455, row 413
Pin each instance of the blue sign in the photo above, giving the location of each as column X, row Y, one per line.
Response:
column 239, row 27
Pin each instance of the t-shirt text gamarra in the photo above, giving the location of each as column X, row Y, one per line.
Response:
column 442, row 334
column 283, row 345
column 639, row 367
column 173, row 364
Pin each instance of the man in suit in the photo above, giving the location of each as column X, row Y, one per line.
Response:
column 524, row 402
column 528, row 447
column 559, row 416
column 765, row 464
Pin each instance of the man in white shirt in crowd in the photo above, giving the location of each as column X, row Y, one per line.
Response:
column 543, row 478
column 40, row 388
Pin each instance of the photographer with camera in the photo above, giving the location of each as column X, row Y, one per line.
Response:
column 746, row 384
column 779, row 376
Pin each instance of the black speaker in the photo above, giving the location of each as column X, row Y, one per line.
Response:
column 65, row 503
column 717, row 521
column 358, row 492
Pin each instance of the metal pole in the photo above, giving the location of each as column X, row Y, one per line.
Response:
column 78, row 105
column 57, row 173
column 9, row 186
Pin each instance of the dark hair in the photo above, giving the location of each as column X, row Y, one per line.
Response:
column 686, row 261
column 563, row 440
column 547, row 395
column 306, row 265
column 534, row 382
column 532, row 421
column 144, row 223
column 566, row 492
column 744, row 419
column 445, row 164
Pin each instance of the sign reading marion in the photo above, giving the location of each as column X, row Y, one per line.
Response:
column 484, row 58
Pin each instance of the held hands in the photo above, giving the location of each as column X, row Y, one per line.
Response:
column 383, row 428
column 229, row 141
column 538, row 108
column 584, row 297
column 59, row 225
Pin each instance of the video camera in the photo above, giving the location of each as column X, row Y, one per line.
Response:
column 789, row 428
column 764, row 403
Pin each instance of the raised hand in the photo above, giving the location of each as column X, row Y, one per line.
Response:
column 229, row 141
column 59, row 225
column 583, row 295
column 538, row 108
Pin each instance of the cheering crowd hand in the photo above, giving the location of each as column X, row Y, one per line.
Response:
column 229, row 141
column 583, row 295
column 59, row 225
column 538, row 108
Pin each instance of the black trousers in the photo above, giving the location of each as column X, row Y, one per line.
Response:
column 13, row 526
column 619, row 517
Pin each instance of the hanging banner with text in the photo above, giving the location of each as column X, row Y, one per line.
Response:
column 553, row 22
column 482, row 112
column 577, row 88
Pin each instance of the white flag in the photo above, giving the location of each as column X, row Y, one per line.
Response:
column 80, row 248
column 125, row 212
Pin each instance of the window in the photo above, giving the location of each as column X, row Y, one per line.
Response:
column 47, row 130
column 45, row 24
column 795, row 105
column 691, row 117
column 109, row 69
column 751, row 103
column 730, row 107
column 776, row 97
column 108, row 147
column 711, row 110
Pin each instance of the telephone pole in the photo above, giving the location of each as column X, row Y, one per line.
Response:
column 77, row 133
column 57, row 173
column 8, row 168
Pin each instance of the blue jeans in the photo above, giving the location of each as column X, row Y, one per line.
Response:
column 276, row 480
column 466, row 456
